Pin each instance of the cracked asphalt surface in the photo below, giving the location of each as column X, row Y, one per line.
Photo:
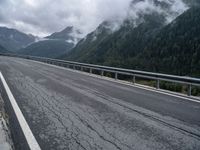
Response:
column 71, row 110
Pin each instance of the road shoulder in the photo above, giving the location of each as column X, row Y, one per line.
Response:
column 5, row 136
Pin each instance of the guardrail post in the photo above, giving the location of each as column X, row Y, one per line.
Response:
column 116, row 75
column 90, row 70
column 81, row 68
column 133, row 79
column 74, row 67
column 102, row 73
column 158, row 84
column 189, row 90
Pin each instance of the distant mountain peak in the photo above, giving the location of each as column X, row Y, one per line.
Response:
column 69, row 28
column 70, row 34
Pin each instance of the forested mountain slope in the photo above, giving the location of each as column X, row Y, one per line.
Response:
column 176, row 49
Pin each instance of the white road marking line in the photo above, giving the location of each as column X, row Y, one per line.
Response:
column 33, row 144
column 160, row 91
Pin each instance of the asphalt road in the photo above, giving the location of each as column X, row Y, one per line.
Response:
column 71, row 110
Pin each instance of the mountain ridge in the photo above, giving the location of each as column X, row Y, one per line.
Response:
column 47, row 48
column 52, row 46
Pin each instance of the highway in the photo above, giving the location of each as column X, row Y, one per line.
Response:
column 66, row 109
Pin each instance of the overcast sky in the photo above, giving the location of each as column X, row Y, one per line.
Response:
column 42, row 17
column 47, row 16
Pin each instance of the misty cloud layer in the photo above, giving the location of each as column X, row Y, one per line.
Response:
column 168, row 8
column 42, row 17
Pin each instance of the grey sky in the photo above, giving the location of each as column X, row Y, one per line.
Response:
column 42, row 17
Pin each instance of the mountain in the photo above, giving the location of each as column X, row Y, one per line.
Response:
column 47, row 48
column 13, row 39
column 116, row 47
column 87, row 45
column 111, row 48
column 176, row 49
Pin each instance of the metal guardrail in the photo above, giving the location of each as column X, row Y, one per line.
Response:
column 189, row 81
